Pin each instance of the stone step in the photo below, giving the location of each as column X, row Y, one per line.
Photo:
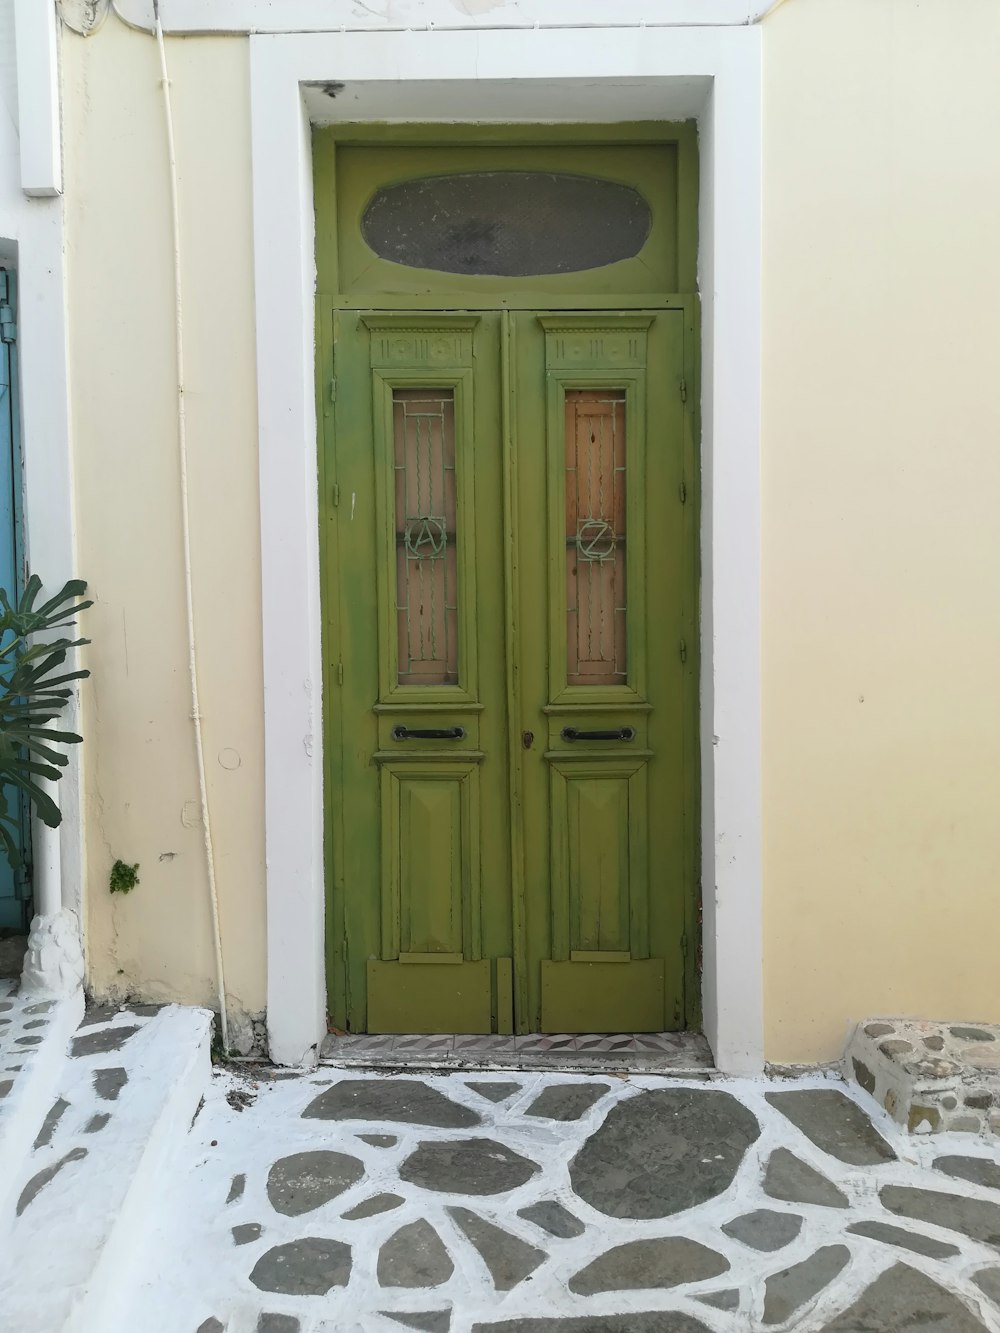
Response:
column 34, row 1033
column 130, row 1084
column 932, row 1077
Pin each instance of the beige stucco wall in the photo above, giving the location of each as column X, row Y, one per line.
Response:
column 880, row 472
column 140, row 771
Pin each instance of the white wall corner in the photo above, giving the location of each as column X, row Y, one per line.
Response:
column 289, row 517
column 36, row 38
column 730, row 282
column 53, row 964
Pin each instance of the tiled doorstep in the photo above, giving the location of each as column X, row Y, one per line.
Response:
column 646, row 1052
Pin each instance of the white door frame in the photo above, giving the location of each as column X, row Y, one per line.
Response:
column 571, row 75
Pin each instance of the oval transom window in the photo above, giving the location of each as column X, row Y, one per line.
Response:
column 507, row 224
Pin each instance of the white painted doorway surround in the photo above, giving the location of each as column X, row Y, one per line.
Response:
column 610, row 72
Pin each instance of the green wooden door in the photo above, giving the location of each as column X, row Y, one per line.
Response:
column 509, row 579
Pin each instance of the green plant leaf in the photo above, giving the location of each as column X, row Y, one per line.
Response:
column 45, row 807
column 11, row 845
column 34, row 690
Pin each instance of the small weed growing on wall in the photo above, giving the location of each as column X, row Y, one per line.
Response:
column 124, row 877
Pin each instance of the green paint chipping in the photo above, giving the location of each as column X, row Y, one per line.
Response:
column 123, row 878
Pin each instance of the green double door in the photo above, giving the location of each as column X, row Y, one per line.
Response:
column 509, row 581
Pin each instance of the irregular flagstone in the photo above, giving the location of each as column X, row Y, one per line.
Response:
column 38, row 1182
column 98, row 1013
column 54, row 1114
column 835, row 1124
column 247, row 1233
column 212, row 1325
column 972, row 1217
column 101, row 1043
column 431, row 1321
column 414, row 1256
column 567, row 1101
column 655, row 1321
column 236, row 1188
column 902, row 1299
column 509, row 1259
column 904, row 1240
column 108, row 1083
column 495, row 1092
column 980, row 1170
column 467, row 1166
column 765, row 1230
column 307, row 1267
column 407, row 1101
column 304, row 1181
column 378, row 1203
column 552, row 1217
column 661, row 1152
column 722, row 1300
column 96, row 1123
column 647, row 1265
column 863, row 1075
column 972, row 1034
column 988, row 1281
column 794, row 1181
column 277, row 1323
column 789, row 1290
column 379, row 1140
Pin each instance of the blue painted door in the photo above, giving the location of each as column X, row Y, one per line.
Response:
column 15, row 885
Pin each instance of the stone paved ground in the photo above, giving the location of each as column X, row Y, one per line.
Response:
column 538, row 1203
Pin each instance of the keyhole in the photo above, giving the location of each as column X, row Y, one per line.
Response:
column 527, row 739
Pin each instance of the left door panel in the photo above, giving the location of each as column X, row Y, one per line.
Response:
column 418, row 851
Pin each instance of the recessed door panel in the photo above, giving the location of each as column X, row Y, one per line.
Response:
column 430, row 835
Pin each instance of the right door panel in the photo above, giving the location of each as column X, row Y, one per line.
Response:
column 606, row 628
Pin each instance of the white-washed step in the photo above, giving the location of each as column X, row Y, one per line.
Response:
column 34, row 1038
column 80, row 1201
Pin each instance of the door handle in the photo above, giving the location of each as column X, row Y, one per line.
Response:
column 428, row 733
column 574, row 734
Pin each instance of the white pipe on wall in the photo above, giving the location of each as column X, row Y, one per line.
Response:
column 199, row 741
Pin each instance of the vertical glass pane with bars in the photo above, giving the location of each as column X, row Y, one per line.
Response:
column 595, row 537
column 426, row 554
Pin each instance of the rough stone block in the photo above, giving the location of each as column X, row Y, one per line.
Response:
column 931, row 1077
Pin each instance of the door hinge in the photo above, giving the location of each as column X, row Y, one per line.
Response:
column 682, row 491
column 683, row 650
column 336, row 494
column 333, row 391
column 8, row 328
column 684, row 389
column 340, row 673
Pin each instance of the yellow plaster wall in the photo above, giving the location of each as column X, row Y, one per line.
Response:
column 140, row 775
column 881, row 473
column 881, row 478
